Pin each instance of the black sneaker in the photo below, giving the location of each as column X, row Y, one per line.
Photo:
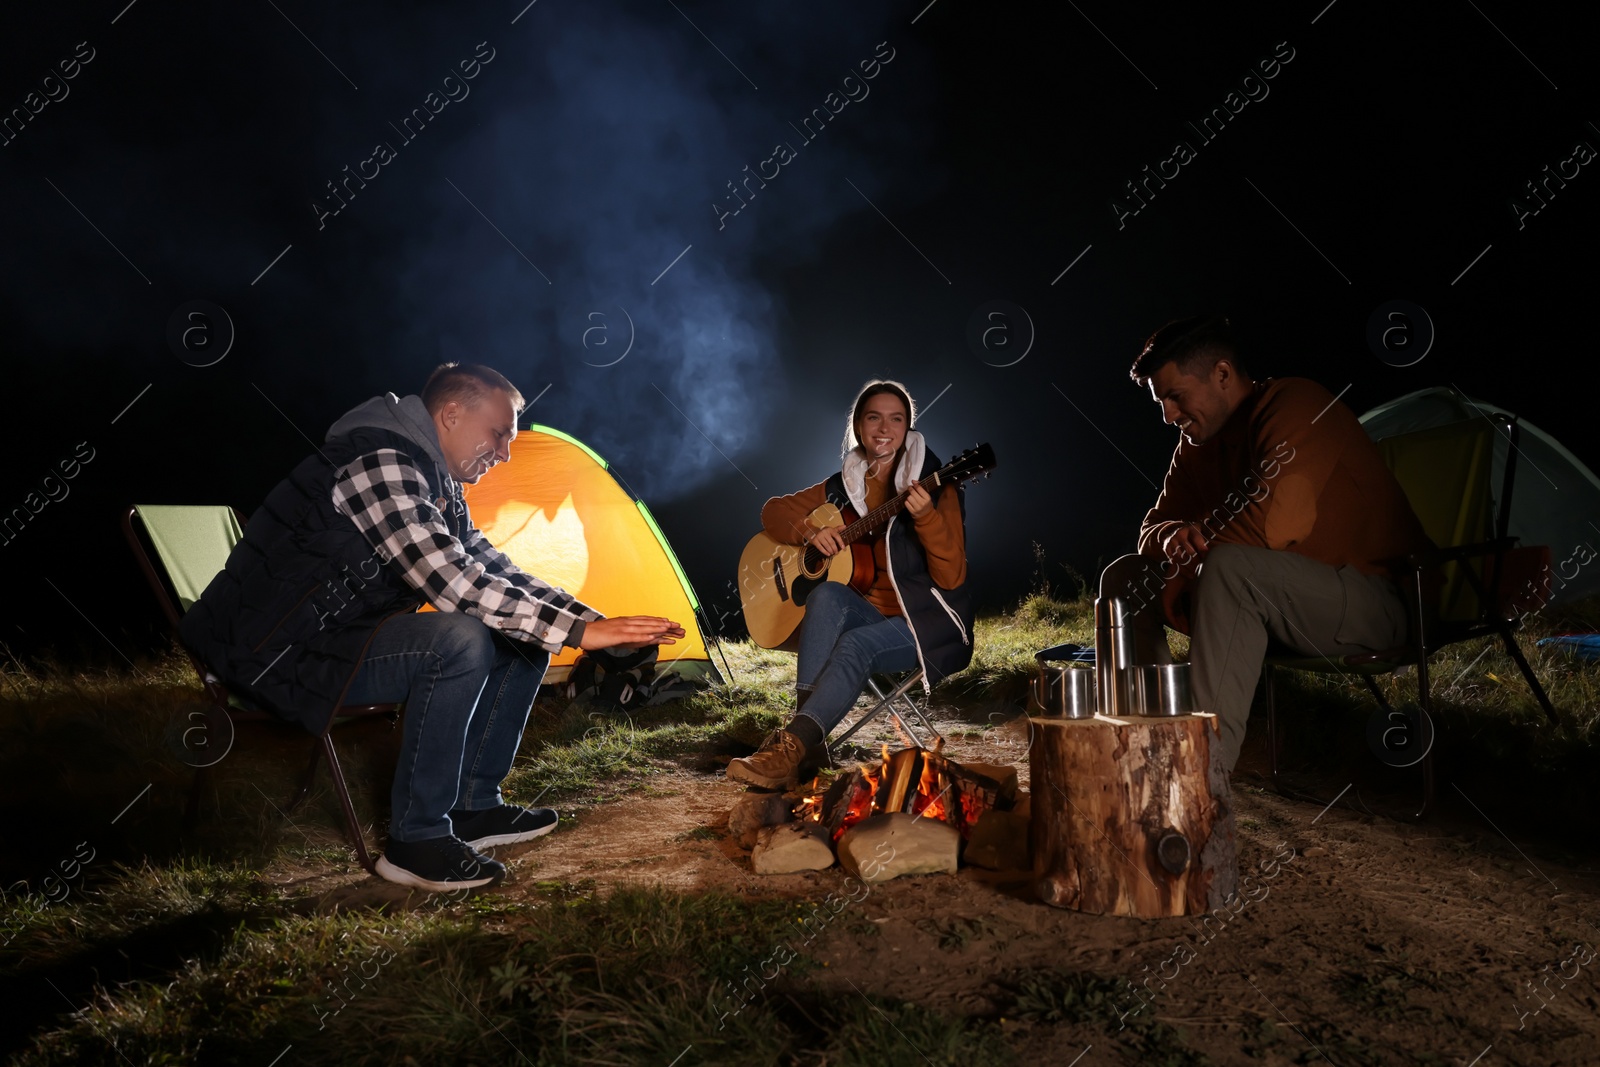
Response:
column 505, row 825
column 439, row 864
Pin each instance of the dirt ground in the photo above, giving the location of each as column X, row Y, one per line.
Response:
column 1382, row 941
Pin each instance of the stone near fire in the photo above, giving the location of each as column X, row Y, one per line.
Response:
column 888, row 846
column 753, row 811
column 999, row 841
column 789, row 848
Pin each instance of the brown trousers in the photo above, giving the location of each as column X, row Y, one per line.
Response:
column 1245, row 596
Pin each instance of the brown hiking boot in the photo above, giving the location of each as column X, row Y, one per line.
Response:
column 775, row 765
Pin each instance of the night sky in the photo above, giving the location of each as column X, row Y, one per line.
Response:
column 773, row 202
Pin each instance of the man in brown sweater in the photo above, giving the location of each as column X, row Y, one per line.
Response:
column 1277, row 520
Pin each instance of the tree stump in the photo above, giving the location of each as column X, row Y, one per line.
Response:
column 1130, row 817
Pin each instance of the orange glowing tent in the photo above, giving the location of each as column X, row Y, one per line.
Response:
column 560, row 514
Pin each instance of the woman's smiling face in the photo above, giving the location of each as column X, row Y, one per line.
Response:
column 882, row 426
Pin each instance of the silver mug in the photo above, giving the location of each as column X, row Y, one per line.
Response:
column 1064, row 692
column 1161, row 689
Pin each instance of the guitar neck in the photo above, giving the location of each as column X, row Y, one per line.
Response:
column 885, row 511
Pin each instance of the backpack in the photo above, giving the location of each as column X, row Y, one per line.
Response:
column 614, row 681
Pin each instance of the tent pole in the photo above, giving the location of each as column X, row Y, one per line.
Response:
column 716, row 639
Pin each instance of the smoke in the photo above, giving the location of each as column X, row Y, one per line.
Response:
column 597, row 144
column 545, row 210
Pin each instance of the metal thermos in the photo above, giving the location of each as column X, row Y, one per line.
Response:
column 1113, row 655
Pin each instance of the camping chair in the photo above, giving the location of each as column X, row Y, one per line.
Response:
column 1480, row 573
column 897, row 697
column 190, row 545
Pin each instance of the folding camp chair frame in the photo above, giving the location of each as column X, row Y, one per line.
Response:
column 225, row 703
column 898, row 695
column 1427, row 633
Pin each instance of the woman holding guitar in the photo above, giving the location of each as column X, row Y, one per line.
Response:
column 906, row 604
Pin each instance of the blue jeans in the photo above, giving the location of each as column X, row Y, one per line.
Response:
column 467, row 692
column 843, row 641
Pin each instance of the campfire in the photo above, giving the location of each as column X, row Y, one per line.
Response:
column 912, row 781
column 913, row 811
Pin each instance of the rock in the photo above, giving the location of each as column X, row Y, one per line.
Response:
column 1024, row 806
column 1313, row 852
column 789, row 848
column 752, row 811
column 999, row 842
column 888, row 846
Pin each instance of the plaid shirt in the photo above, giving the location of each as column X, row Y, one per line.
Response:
column 389, row 501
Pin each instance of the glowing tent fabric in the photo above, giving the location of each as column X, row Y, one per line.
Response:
column 560, row 515
column 1555, row 500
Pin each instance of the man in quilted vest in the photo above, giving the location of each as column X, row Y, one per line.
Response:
column 316, row 610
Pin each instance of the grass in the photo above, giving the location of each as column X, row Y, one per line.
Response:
column 178, row 949
column 628, row 978
column 633, row 977
column 1054, row 995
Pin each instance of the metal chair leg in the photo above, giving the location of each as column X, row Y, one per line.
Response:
column 1425, row 703
column 1268, row 678
column 1514, row 650
column 351, row 825
column 1377, row 694
column 1427, row 786
column 877, row 709
column 902, row 693
column 886, row 702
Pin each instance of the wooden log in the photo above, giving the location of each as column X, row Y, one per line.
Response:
column 1130, row 817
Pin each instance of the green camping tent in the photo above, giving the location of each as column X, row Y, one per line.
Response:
column 1555, row 500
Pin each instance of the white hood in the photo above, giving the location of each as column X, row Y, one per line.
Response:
column 855, row 470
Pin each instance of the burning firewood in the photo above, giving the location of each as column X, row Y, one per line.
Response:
column 913, row 781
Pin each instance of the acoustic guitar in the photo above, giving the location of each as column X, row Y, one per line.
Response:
column 775, row 579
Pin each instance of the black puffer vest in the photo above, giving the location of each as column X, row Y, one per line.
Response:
column 940, row 619
column 289, row 618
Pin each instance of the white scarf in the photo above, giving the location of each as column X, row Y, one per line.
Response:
column 855, row 470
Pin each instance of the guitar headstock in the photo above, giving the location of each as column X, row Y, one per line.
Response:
column 975, row 461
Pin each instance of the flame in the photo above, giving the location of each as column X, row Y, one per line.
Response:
column 931, row 793
column 859, row 804
column 932, row 788
column 939, row 791
column 810, row 807
column 971, row 808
